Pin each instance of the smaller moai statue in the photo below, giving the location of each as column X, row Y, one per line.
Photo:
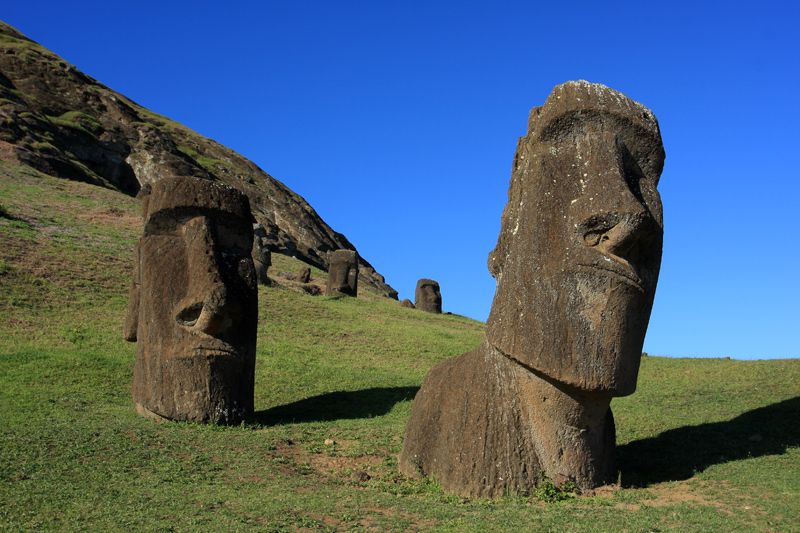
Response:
column 262, row 257
column 428, row 297
column 193, row 305
column 342, row 274
column 407, row 303
column 304, row 275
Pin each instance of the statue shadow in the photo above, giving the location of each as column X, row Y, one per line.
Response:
column 678, row 454
column 337, row 405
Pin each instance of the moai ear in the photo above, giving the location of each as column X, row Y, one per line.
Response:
column 132, row 318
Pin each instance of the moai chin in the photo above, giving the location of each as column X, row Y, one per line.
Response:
column 342, row 274
column 193, row 304
column 428, row 297
column 262, row 257
column 576, row 264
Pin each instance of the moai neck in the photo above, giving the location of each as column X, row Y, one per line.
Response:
column 572, row 432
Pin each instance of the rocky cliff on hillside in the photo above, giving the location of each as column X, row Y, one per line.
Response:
column 61, row 122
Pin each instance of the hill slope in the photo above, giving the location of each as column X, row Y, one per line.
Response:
column 57, row 120
column 703, row 445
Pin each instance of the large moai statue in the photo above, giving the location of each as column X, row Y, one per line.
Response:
column 193, row 304
column 342, row 274
column 428, row 297
column 576, row 264
column 262, row 257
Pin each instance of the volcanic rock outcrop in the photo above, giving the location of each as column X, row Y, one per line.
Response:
column 193, row 304
column 63, row 123
column 576, row 263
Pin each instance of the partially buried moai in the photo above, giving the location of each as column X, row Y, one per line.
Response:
column 576, row 264
column 342, row 274
column 193, row 304
column 428, row 297
column 262, row 257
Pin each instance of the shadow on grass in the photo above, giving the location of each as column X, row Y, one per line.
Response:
column 680, row 453
column 365, row 403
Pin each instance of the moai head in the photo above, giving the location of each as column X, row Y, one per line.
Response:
column 193, row 307
column 261, row 252
column 579, row 250
column 262, row 257
column 342, row 274
column 304, row 275
column 427, row 296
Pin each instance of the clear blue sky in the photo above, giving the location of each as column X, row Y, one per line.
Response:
column 398, row 121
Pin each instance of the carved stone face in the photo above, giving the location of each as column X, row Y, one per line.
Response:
column 342, row 274
column 195, row 321
column 261, row 252
column 427, row 296
column 579, row 251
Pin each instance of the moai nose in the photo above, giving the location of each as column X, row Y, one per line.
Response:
column 624, row 228
column 209, row 306
column 632, row 233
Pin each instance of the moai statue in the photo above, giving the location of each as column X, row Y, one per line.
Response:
column 407, row 303
column 342, row 274
column 576, row 264
column 262, row 257
column 304, row 275
column 193, row 304
column 428, row 297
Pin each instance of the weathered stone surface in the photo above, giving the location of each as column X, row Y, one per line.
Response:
column 304, row 275
column 427, row 297
column 262, row 257
column 193, row 304
column 407, row 303
column 313, row 290
column 576, row 264
column 343, row 274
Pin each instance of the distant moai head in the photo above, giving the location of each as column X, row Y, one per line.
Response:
column 342, row 274
column 579, row 251
column 262, row 257
column 427, row 296
column 193, row 305
column 304, row 274
column 260, row 250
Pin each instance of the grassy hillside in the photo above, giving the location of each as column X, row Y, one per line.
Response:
column 705, row 444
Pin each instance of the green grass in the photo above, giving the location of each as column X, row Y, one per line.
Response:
column 703, row 445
